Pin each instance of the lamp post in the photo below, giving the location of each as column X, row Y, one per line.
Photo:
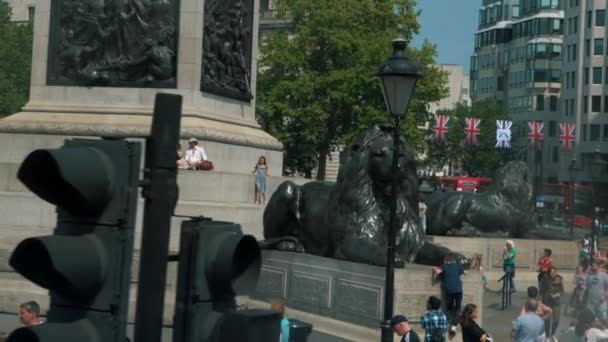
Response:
column 398, row 78
column 597, row 167
column 572, row 169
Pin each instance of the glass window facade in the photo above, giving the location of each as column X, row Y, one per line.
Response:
column 596, row 103
column 540, row 102
column 598, row 46
column 594, row 132
column 597, row 75
column 600, row 17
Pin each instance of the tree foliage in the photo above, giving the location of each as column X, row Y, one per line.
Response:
column 481, row 160
column 15, row 61
column 317, row 85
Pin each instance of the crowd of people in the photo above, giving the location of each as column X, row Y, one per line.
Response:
column 540, row 315
column 195, row 158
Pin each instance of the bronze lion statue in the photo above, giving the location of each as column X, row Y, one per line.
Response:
column 505, row 209
column 349, row 219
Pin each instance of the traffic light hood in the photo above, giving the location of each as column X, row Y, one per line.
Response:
column 73, row 266
column 76, row 179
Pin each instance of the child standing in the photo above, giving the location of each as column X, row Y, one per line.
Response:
column 261, row 172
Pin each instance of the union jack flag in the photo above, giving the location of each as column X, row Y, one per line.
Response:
column 503, row 133
column 567, row 136
column 536, row 134
column 472, row 131
column 441, row 129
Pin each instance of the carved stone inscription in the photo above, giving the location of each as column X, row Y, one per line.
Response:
column 129, row 43
column 226, row 63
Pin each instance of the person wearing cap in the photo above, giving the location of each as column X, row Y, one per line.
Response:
column 195, row 154
column 402, row 328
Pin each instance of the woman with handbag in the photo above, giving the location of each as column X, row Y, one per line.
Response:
column 471, row 331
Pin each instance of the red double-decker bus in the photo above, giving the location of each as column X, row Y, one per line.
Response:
column 576, row 201
column 466, row 184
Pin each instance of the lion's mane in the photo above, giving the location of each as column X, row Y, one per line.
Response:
column 359, row 204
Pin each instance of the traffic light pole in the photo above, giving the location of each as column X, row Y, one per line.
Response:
column 160, row 192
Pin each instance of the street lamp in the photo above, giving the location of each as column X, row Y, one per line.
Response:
column 572, row 169
column 398, row 78
column 597, row 167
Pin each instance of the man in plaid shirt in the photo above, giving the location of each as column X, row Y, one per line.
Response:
column 434, row 322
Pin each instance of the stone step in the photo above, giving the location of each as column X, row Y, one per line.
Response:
column 225, row 157
column 201, row 186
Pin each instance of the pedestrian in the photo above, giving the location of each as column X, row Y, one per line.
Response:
column 279, row 307
column 577, row 299
column 586, row 328
column 542, row 310
column 402, row 328
column 434, row 322
column 29, row 313
column 451, row 272
column 553, row 290
column 597, row 291
column 261, row 172
column 509, row 253
column 529, row 327
column 471, row 331
column 583, row 254
column 195, row 155
column 544, row 265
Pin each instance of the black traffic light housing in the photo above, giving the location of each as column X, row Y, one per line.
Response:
column 217, row 262
column 85, row 265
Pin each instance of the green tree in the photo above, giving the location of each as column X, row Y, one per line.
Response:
column 480, row 160
column 317, row 86
column 15, row 61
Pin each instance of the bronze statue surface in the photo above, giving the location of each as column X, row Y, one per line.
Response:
column 505, row 209
column 349, row 219
column 121, row 43
column 227, row 44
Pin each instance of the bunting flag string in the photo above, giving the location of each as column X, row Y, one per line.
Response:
column 471, row 131
column 503, row 133
column 535, row 134
column 441, row 129
column 567, row 136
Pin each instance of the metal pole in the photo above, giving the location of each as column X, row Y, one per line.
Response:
column 389, row 285
column 571, row 194
column 160, row 194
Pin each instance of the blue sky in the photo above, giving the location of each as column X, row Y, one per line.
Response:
column 449, row 24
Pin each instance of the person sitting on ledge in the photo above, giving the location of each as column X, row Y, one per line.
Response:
column 195, row 155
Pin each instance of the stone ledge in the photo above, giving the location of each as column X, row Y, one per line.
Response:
column 118, row 126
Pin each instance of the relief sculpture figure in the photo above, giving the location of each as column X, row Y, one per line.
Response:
column 113, row 42
column 349, row 219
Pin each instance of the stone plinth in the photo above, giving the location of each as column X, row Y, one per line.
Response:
column 329, row 290
column 225, row 126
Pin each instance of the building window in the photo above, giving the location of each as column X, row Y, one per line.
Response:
column 586, row 76
column 589, row 19
column 584, row 132
column 575, row 24
column 540, row 102
column 587, row 47
column 606, row 104
column 598, row 46
column 594, row 132
column 556, row 76
column 552, row 128
column 585, row 104
column 597, row 75
column 31, row 12
column 574, row 52
column 605, row 132
column 553, row 103
column 572, row 107
column 596, row 103
column 555, row 154
column 600, row 17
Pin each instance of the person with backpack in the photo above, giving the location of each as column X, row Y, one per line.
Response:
column 434, row 322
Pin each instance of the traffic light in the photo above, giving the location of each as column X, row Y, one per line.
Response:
column 86, row 264
column 216, row 263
